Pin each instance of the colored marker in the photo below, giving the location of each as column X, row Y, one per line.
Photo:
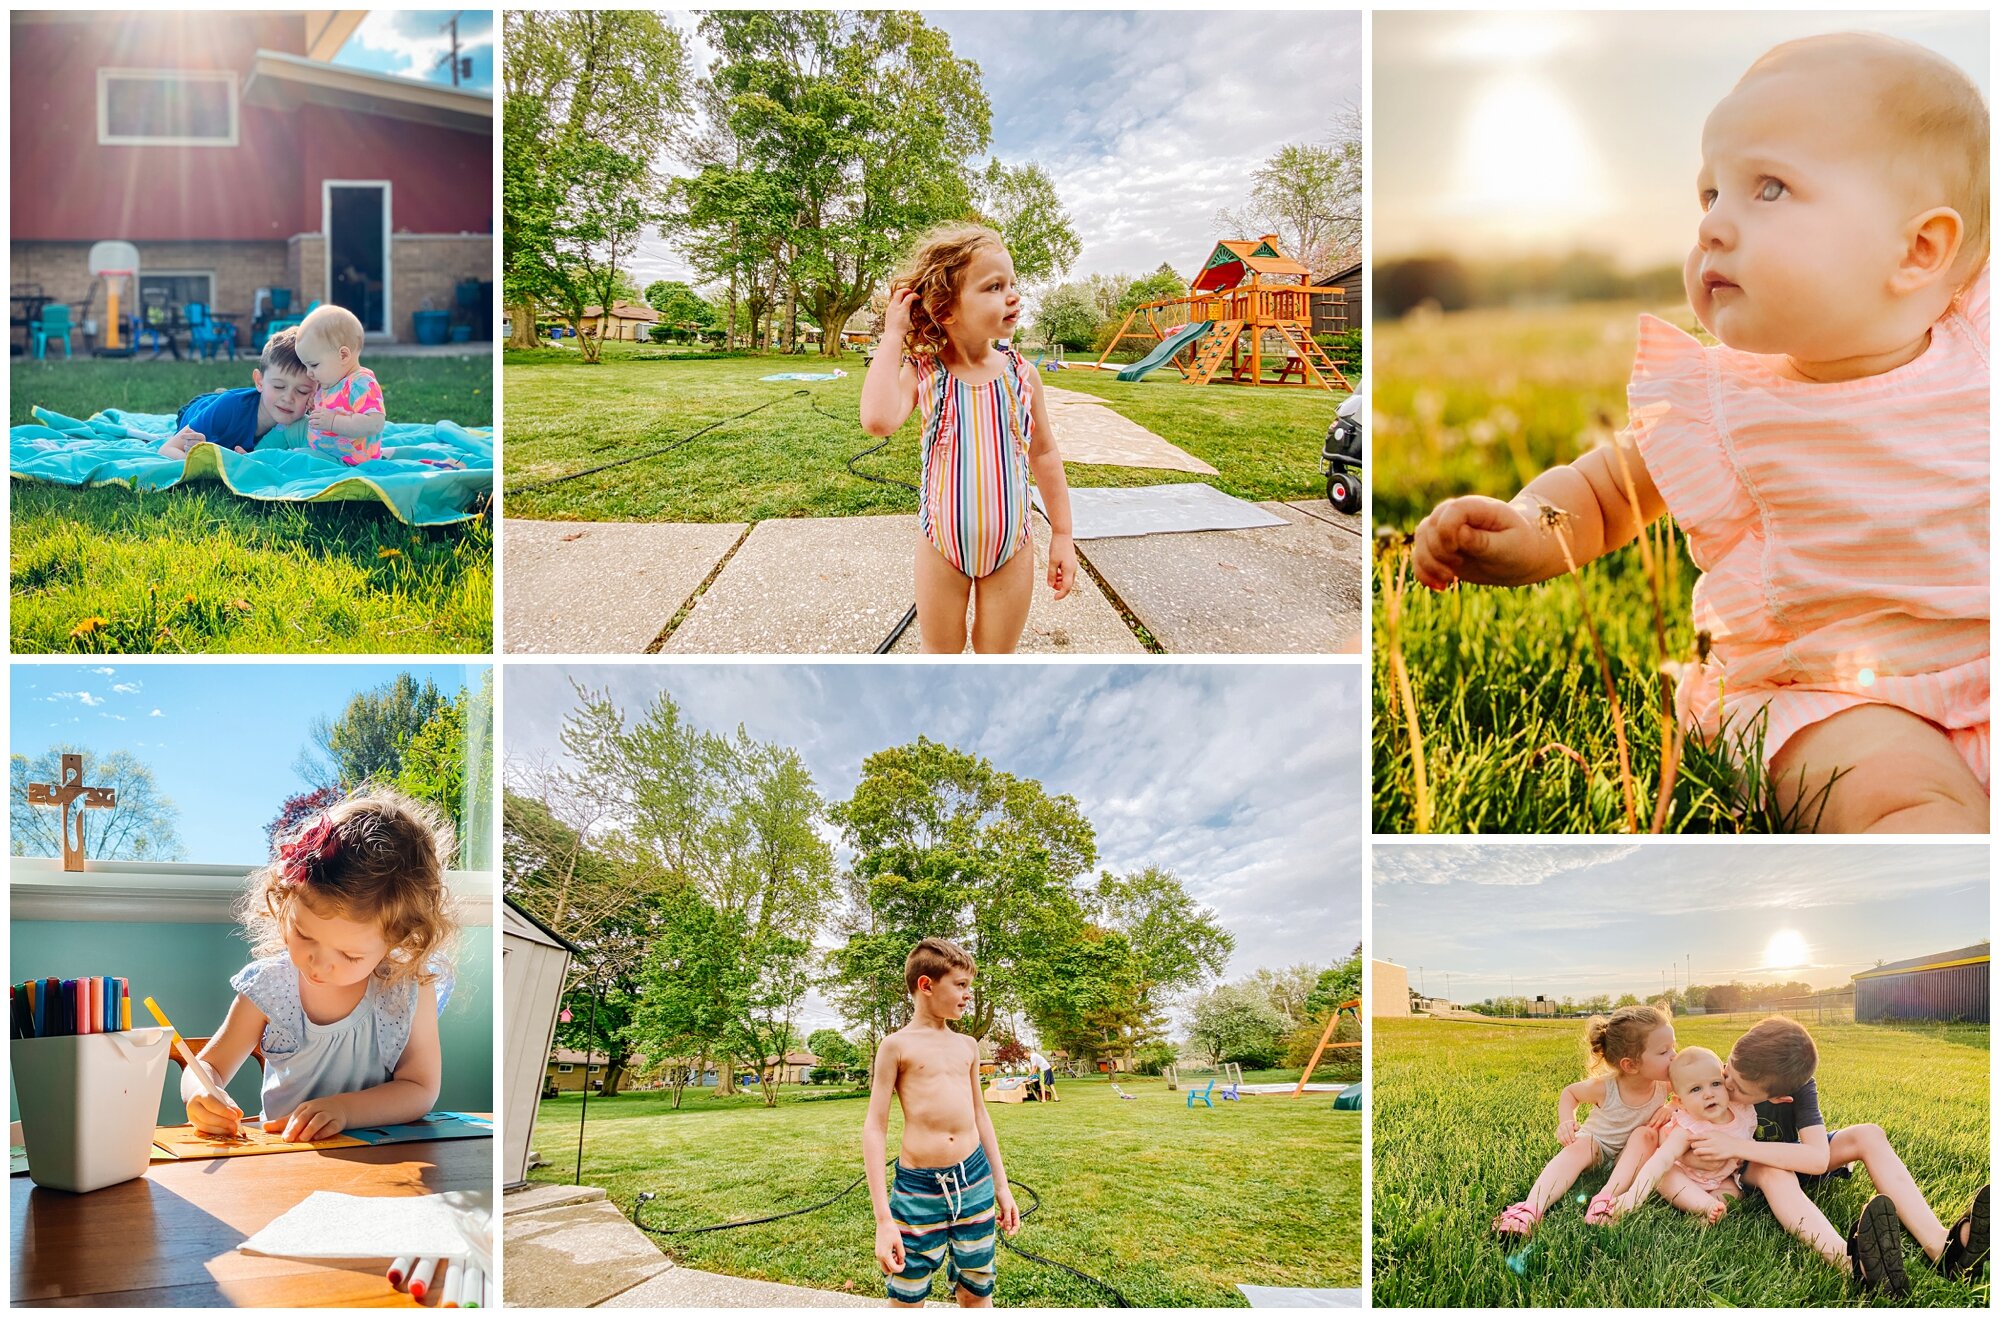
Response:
column 454, row 1284
column 188, row 1059
column 420, row 1277
column 124, row 1004
column 399, row 1270
column 474, row 1293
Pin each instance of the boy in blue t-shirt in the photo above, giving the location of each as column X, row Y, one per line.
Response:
column 269, row 414
column 1772, row 1066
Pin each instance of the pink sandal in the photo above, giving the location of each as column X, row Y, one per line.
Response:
column 1599, row 1213
column 1517, row 1220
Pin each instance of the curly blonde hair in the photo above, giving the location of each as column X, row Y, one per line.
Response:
column 378, row 855
column 934, row 269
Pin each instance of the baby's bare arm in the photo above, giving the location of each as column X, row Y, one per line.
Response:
column 1608, row 494
column 354, row 425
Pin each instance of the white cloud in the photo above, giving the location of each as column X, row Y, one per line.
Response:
column 105, row 672
column 125, row 688
column 81, row 697
column 156, row 714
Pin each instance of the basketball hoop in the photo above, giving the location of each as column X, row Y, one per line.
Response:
column 115, row 262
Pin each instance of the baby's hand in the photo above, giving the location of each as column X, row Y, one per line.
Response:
column 314, row 1119
column 1477, row 540
column 178, row 446
column 1715, row 1145
column 1661, row 1119
column 1566, row 1131
column 896, row 320
column 1062, row 564
column 321, row 418
column 888, row 1248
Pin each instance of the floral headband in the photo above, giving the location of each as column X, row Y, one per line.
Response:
column 316, row 846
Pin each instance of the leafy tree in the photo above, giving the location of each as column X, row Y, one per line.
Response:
column 863, row 124
column 143, row 825
column 1309, row 195
column 1085, row 1000
column 596, row 1018
column 836, row 1053
column 448, row 762
column 1010, row 1052
column 1154, row 1058
column 1176, row 943
column 947, row 845
column 1023, row 205
column 691, row 978
column 589, row 96
column 1068, row 314
column 680, row 307
column 1237, row 1023
column 1162, row 283
column 366, row 742
column 1338, row 983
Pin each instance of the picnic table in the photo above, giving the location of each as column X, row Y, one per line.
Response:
column 26, row 302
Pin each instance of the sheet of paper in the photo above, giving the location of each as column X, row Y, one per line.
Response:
column 178, row 1142
column 344, row 1226
column 19, row 1161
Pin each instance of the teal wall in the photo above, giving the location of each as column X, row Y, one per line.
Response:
column 186, row 969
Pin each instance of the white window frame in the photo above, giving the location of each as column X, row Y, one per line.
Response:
column 387, row 334
column 105, row 137
column 565, row 1068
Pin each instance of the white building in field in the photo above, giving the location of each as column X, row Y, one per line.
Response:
column 1388, row 989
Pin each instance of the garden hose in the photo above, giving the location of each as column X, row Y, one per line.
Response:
column 1035, row 1203
column 812, row 401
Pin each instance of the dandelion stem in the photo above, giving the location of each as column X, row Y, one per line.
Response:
column 1395, row 581
column 1555, row 523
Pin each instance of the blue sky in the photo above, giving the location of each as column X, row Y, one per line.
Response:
column 1148, row 122
column 221, row 738
column 409, row 42
column 1244, row 780
column 1583, row 920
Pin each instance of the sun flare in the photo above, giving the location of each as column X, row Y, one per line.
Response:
column 1786, row 950
column 1526, row 168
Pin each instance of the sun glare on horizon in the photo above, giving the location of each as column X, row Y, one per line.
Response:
column 1526, row 170
column 1787, row 950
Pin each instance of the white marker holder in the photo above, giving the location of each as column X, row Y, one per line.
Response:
column 89, row 1105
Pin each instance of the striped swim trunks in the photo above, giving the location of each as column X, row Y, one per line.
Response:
column 946, row 1217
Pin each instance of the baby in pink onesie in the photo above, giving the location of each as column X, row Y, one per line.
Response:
column 1689, row 1180
column 1828, row 463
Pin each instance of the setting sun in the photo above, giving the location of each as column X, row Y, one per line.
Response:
column 1786, row 950
column 1526, row 167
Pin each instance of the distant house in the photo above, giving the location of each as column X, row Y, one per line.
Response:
column 1337, row 315
column 628, row 321
column 794, row 1068
column 566, row 1070
column 1945, row 986
column 237, row 158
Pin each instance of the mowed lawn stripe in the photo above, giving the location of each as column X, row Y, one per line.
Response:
column 1173, row 1207
column 1465, row 1119
column 789, row 460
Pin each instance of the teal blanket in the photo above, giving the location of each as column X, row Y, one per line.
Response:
column 123, row 448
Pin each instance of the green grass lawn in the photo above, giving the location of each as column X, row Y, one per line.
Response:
column 790, row 460
column 1171, row 1206
column 1465, row 1119
column 197, row 569
column 1505, row 681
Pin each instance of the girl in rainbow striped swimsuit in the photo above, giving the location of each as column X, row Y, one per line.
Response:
column 985, row 435
column 1829, row 463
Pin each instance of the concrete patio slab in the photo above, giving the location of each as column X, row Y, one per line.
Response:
column 1329, row 514
column 602, row 587
column 1090, row 431
column 1292, row 589
column 576, row 1257
column 687, row 1288
column 839, row 585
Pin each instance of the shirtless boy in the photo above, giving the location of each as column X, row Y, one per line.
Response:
column 950, row 1190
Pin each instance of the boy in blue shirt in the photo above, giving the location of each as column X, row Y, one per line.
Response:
column 269, row 414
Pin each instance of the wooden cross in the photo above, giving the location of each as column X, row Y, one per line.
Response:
column 71, row 791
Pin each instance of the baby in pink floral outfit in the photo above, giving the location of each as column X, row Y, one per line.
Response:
column 347, row 415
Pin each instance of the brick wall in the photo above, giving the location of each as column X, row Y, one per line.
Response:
column 305, row 269
column 430, row 266
column 240, row 269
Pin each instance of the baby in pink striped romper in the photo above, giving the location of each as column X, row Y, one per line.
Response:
column 1828, row 462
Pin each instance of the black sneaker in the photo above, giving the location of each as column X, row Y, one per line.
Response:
column 1966, row 1258
column 1875, row 1248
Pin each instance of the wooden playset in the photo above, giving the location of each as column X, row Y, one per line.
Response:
column 1247, row 319
column 1352, row 1007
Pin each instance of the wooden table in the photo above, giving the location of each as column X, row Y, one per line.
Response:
column 169, row 1238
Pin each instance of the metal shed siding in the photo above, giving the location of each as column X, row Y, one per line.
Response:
column 1959, row 993
column 531, row 977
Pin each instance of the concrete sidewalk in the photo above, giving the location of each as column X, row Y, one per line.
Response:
column 839, row 585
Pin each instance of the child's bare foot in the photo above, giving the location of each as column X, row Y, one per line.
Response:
column 1715, row 1214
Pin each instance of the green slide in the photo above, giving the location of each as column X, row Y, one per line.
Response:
column 1163, row 354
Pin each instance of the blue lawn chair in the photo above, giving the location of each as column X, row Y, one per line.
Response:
column 209, row 336
column 53, row 324
column 1202, row 1094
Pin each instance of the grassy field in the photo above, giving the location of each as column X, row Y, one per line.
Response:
column 197, row 569
column 789, row 460
column 1173, row 1207
column 1518, row 733
column 1465, row 1119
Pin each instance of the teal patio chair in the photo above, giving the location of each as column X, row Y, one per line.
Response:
column 54, row 324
